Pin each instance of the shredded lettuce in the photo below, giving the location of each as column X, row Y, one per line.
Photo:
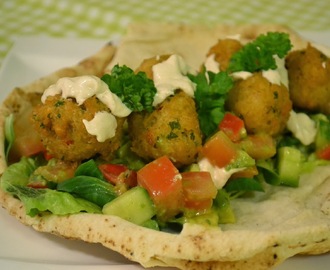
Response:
column 58, row 203
column 14, row 181
column 9, row 134
column 18, row 173
column 136, row 91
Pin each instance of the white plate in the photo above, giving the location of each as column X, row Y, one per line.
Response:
column 21, row 246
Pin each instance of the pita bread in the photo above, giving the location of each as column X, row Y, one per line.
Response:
column 270, row 228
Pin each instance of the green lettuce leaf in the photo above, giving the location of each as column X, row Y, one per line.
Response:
column 58, row 203
column 14, row 181
column 18, row 173
column 90, row 188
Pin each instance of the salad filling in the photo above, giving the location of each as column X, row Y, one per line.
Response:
column 165, row 145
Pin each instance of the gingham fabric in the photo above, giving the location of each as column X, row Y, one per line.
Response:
column 108, row 18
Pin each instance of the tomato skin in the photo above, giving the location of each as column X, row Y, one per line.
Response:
column 324, row 153
column 259, row 146
column 118, row 173
column 198, row 186
column 219, row 150
column 198, row 190
column 26, row 146
column 232, row 126
column 163, row 182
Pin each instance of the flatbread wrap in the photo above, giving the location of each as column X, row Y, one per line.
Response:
column 269, row 226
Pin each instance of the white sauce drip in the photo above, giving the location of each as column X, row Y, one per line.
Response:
column 83, row 87
column 103, row 126
column 219, row 176
column 169, row 76
column 279, row 75
column 212, row 65
column 302, row 127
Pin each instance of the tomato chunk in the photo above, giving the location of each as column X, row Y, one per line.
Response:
column 259, row 146
column 198, row 190
column 118, row 173
column 324, row 153
column 163, row 182
column 233, row 126
column 219, row 150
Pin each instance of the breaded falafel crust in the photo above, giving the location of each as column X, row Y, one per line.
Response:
column 59, row 123
column 309, row 79
column 172, row 129
column 264, row 107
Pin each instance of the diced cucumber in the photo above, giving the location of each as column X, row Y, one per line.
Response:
column 209, row 218
column 134, row 205
column 322, row 138
column 289, row 165
column 223, row 208
column 151, row 224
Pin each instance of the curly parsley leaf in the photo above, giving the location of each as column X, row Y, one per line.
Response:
column 136, row 91
column 259, row 54
column 210, row 96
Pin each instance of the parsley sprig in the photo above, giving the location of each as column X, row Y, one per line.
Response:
column 136, row 91
column 210, row 96
column 259, row 54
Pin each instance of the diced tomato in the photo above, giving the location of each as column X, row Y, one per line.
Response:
column 55, row 171
column 219, row 150
column 26, row 145
column 198, row 190
column 324, row 153
column 47, row 156
column 163, row 182
column 118, row 173
column 27, row 141
column 259, row 146
column 199, row 206
column 37, row 185
column 233, row 126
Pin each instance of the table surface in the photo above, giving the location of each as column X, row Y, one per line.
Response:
column 108, row 19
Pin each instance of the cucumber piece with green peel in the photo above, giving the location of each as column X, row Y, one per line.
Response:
column 289, row 165
column 135, row 205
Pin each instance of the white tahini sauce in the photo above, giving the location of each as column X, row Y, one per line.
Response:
column 103, row 126
column 279, row 75
column 83, row 87
column 169, row 76
column 219, row 176
column 302, row 127
column 212, row 65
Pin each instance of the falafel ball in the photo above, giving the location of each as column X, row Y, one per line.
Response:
column 147, row 64
column 59, row 123
column 223, row 51
column 309, row 79
column 172, row 129
column 264, row 107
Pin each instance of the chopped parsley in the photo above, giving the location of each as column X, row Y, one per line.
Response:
column 210, row 97
column 259, row 54
column 136, row 91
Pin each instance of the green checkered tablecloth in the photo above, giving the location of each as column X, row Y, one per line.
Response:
column 108, row 18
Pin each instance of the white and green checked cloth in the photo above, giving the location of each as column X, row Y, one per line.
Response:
column 108, row 18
